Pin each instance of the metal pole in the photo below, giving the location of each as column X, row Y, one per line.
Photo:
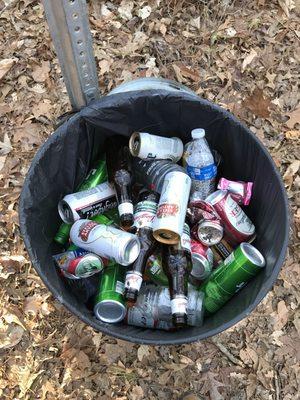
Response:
column 69, row 28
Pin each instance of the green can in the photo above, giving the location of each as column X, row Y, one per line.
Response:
column 109, row 303
column 235, row 271
column 154, row 271
column 97, row 175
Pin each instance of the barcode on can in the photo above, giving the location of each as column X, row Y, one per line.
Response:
column 119, row 287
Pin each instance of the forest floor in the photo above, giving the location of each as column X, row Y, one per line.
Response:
column 241, row 55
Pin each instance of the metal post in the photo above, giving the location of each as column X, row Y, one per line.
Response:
column 69, row 28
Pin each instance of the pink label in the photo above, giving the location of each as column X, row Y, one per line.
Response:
column 237, row 217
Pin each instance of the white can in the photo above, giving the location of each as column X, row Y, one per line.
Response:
column 169, row 220
column 146, row 146
column 106, row 241
column 88, row 203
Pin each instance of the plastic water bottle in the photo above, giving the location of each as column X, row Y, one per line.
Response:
column 200, row 165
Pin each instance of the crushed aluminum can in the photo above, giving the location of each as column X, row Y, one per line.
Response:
column 240, row 191
column 202, row 259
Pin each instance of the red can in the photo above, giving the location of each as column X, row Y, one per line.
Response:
column 238, row 227
column 202, row 260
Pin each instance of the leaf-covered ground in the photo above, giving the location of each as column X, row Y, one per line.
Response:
column 242, row 55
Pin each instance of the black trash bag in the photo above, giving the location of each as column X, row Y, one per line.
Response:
column 63, row 161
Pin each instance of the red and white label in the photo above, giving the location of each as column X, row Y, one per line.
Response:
column 237, row 217
column 133, row 281
column 167, row 210
column 179, row 305
column 85, row 229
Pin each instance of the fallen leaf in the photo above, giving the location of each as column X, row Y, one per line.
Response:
column 137, row 393
column 5, row 149
column 287, row 6
column 32, row 305
column 178, row 74
column 10, row 336
column 47, row 388
column 292, row 135
column 258, row 104
column 143, row 351
column 125, row 9
column 294, row 118
column 144, row 12
column 291, row 171
column 248, row 59
column 104, row 66
column 214, row 386
column 282, row 316
column 6, row 65
column 40, row 73
column 230, row 32
column 28, row 135
column 43, row 108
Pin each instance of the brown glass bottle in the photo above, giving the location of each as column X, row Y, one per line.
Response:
column 117, row 161
column 144, row 214
column 177, row 265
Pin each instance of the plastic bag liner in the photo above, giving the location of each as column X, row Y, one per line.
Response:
column 62, row 162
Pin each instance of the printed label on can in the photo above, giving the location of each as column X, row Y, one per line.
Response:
column 167, row 210
column 137, row 317
column 144, row 214
column 133, row 281
column 85, row 229
column 179, row 305
column 85, row 266
column 120, row 287
column 85, row 193
column 237, row 217
column 98, row 207
column 203, row 173
column 125, row 208
column 185, row 239
column 229, row 259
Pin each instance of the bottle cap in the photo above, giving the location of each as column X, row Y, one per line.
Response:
column 198, row 133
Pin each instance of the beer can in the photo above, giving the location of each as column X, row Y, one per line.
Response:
column 79, row 263
column 109, row 302
column 147, row 146
column 209, row 232
column 88, row 203
column 238, row 227
column 170, row 217
column 136, row 317
column 97, row 175
column 235, row 271
column 106, row 241
column 202, row 260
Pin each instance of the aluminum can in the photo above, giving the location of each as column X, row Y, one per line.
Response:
column 106, row 241
column 202, row 260
column 208, row 232
column 154, row 306
column 240, row 191
column 151, row 174
column 136, row 317
column 97, row 175
column 147, row 146
column 221, row 250
column 88, row 203
column 236, row 270
column 238, row 227
column 109, row 302
column 169, row 221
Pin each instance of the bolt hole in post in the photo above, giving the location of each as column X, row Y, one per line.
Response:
column 77, row 28
column 75, row 16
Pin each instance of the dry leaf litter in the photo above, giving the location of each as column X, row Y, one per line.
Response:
column 242, row 55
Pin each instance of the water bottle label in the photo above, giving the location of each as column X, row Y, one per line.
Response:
column 203, row 173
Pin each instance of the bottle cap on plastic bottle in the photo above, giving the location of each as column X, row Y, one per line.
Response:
column 198, row 133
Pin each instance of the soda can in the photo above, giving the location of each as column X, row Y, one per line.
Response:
column 137, row 317
column 170, row 217
column 202, row 260
column 240, row 191
column 97, row 175
column 109, row 302
column 238, row 227
column 79, row 263
column 106, row 241
column 146, row 146
column 235, row 271
column 88, row 203
column 208, row 232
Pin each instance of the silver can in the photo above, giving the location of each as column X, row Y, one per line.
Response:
column 106, row 241
column 202, row 260
column 150, row 147
column 88, row 203
column 169, row 220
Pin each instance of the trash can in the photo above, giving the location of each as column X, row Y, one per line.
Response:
column 168, row 109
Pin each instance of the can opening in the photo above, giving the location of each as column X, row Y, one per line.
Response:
column 253, row 254
column 135, row 144
column 131, row 251
column 165, row 236
column 110, row 311
column 65, row 212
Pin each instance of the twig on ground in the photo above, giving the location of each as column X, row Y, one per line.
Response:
column 227, row 353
